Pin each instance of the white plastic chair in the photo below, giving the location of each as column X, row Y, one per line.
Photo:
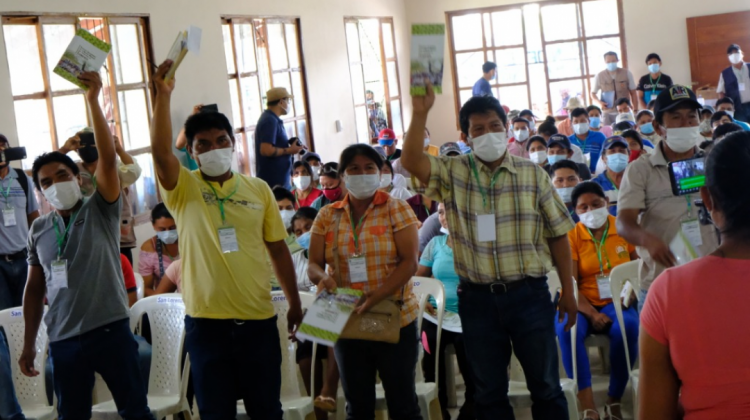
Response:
column 629, row 271
column 167, row 385
column 31, row 392
column 295, row 405
column 139, row 284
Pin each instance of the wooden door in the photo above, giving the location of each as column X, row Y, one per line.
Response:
column 708, row 39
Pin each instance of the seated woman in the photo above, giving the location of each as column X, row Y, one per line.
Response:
column 437, row 261
column 333, row 188
column 537, row 148
column 395, row 185
column 696, row 327
column 158, row 253
column 597, row 249
column 305, row 190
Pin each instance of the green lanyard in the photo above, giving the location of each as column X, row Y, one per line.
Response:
column 223, row 200
column 6, row 192
column 61, row 238
column 355, row 229
column 653, row 85
column 599, row 246
column 612, row 181
column 690, row 206
column 427, row 210
column 479, row 184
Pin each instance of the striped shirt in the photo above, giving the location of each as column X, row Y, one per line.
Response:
column 527, row 213
column 385, row 216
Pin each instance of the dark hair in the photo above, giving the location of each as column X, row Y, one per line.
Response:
column 304, row 164
column 623, row 101
column 707, row 110
column 728, row 162
column 160, row 212
column 388, row 163
column 304, row 213
column 480, row 105
column 632, row 134
column 565, row 164
column 533, row 139
column 611, row 53
column 578, row 112
column 51, row 157
column 488, row 66
column 330, row 170
column 622, row 126
column 652, row 56
column 526, row 112
column 4, row 139
column 642, row 113
column 585, row 188
column 281, row 193
column 725, row 100
column 521, row 120
column 204, row 121
column 717, row 116
column 725, row 129
column 706, row 145
column 733, row 48
column 273, row 103
column 593, row 108
column 651, row 105
column 348, row 155
column 548, row 127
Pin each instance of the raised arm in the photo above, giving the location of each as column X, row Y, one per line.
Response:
column 167, row 164
column 107, row 179
column 33, row 309
column 413, row 157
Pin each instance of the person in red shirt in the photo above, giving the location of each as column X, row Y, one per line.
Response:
column 305, row 190
column 130, row 286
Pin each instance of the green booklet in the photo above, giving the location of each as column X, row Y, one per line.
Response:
column 427, row 57
column 328, row 315
column 85, row 53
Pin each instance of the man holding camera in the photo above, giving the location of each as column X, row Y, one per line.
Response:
column 273, row 152
column 646, row 191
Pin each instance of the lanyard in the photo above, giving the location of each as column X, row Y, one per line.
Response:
column 355, row 229
column 6, row 192
column 161, row 256
column 479, row 184
column 690, row 206
column 599, row 246
column 427, row 209
column 223, row 200
column 62, row 238
column 612, row 181
column 653, row 85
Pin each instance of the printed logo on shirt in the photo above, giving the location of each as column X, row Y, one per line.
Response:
column 622, row 252
column 210, row 199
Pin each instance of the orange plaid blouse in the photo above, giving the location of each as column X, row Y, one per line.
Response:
column 384, row 217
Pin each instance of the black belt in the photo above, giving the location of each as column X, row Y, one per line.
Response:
column 20, row 255
column 499, row 288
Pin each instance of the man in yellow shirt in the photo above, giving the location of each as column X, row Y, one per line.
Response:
column 226, row 222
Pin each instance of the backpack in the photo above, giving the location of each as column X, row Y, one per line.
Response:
column 24, row 181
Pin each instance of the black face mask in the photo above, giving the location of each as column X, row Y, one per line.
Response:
column 88, row 154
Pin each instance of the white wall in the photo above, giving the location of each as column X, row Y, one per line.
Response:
column 202, row 79
column 650, row 26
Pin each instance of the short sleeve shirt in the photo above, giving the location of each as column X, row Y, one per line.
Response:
column 439, row 257
column 216, row 285
column 482, row 88
column 610, row 190
column 95, row 295
column 592, row 146
column 128, row 275
column 652, row 87
column 275, row 170
column 13, row 238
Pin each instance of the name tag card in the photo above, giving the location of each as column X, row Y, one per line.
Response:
column 692, row 231
column 742, row 87
column 228, row 239
column 605, row 292
column 59, row 274
column 486, row 229
column 358, row 269
column 9, row 217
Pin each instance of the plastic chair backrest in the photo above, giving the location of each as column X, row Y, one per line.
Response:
column 289, row 381
column 166, row 315
column 424, row 287
column 139, row 285
column 29, row 391
column 617, row 278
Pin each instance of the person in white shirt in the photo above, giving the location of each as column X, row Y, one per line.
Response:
column 612, row 84
column 734, row 82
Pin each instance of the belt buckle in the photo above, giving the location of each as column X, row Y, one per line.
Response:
column 499, row 285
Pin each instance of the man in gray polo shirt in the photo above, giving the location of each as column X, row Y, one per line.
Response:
column 74, row 261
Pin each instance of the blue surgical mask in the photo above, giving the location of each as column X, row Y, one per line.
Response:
column 654, row 68
column 595, row 122
column 304, row 240
column 566, row 194
column 617, row 162
column 553, row 159
column 611, row 66
column 385, row 143
column 647, row 128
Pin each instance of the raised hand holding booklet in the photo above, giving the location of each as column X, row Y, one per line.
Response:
column 85, row 53
column 427, row 57
column 189, row 40
column 328, row 315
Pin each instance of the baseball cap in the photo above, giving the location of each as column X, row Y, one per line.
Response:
column 450, row 147
column 513, row 114
column 732, row 48
column 626, row 117
column 311, row 155
column 387, row 134
column 277, row 93
column 615, row 141
column 672, row 97
column 574, row 103
column 527, row 112
column 560, row 140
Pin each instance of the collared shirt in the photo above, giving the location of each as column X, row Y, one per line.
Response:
column 646, row 187
column 591, row 146
column 743, row 76
column 565, row 127
column 610, row 190
column 275, row 170
column 14, row 238
column 482, row 88
column 518, row 149
column 381, row 221
column 527, row 213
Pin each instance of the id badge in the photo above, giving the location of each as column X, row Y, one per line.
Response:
column 228, row 239
column 357, row 269
column 59, row 274
column 486, row 229
column 742, row 87
column 9, row 217
column 692, row 230
column 613, row 195
column 605, row 292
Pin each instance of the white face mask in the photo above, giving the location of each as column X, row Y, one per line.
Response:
column 426, row 142
column 735, row 58
column 594, row 219
column 565, row 193
column 168, row 236
column 286, row 217
column 216, row 162
column 302, row 182
column 491, row 146
column 362, row 187
column 683, row 139
column 581, row 128
column 315, row 173
column 385, row 180
column 538, row 157
column 63, row 195
column 444, row 231
column 521, row 135
column 730, row 112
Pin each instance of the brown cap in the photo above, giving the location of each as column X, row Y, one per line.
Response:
column 277, row 93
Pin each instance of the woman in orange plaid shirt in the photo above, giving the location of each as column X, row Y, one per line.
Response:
column 377, row 253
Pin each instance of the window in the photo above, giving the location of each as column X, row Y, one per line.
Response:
column 546, row 52
column 49, row 109
column 374, row 72
column 263, row 53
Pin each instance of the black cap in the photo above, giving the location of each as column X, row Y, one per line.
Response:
column 615, row 141
column 521, row 119
column 672, row 97
column 733, row 48
column 560, row 140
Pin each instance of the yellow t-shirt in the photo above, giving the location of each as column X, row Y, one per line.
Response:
column 217, row 285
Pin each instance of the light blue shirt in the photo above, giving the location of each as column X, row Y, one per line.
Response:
column 13, row 238
column 439, row 257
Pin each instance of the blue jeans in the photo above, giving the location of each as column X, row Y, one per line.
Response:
column 12, row 282
column 9, row 408
column 110, row 350
column 523, row 317
column 232, row 359
column 619, row 376
column 360, row 360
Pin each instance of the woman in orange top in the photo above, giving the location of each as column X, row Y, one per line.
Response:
column 377, row 253
column 596, row 249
